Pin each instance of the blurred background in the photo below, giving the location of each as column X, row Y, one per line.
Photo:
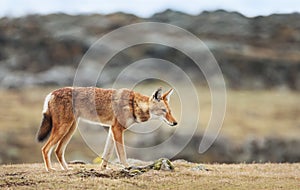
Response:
column 256, row 44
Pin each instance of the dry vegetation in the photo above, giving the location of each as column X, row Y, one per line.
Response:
column 259, row 113
column 249, row 114
column 186, row 175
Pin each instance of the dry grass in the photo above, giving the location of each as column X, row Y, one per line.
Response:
column 249, row 114
column 239, row 176
column 259, row 113
column 21, row 109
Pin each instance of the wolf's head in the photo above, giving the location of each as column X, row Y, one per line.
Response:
column 159, row 106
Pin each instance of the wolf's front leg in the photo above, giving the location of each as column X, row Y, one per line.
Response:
column 118, row 132
column 107, row 150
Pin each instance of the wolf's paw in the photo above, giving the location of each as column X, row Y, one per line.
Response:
column 126, row 165
column 67, row 169
column 51, row 169
column 103, row 167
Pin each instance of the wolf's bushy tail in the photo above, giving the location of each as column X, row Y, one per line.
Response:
column 45, row 128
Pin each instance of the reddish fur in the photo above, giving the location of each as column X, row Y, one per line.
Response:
column 116, row 108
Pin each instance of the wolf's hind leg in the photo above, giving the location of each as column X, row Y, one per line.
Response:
column 61, row 147
column 48, row 147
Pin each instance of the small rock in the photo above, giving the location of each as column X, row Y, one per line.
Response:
column 163, row 164
column 200, row 168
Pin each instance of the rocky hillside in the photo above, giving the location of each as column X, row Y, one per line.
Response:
column 260, row 52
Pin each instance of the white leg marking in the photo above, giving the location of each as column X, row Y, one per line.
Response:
column 108, row 146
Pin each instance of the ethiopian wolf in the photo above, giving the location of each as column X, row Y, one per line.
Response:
column 117, row 109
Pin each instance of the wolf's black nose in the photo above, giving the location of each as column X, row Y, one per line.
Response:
column 174, row 123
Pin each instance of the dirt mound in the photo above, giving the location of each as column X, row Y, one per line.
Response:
column 160, row 164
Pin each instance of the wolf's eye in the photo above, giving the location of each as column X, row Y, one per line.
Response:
column 164, row 110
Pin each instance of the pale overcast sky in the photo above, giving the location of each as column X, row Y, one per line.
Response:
column 145, row 8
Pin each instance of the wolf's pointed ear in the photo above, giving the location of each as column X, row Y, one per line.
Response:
column 157, row 94
column 167, row 95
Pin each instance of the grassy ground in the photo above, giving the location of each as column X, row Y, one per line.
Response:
column 260, row 113
column 249, row 113
column 185, row 176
